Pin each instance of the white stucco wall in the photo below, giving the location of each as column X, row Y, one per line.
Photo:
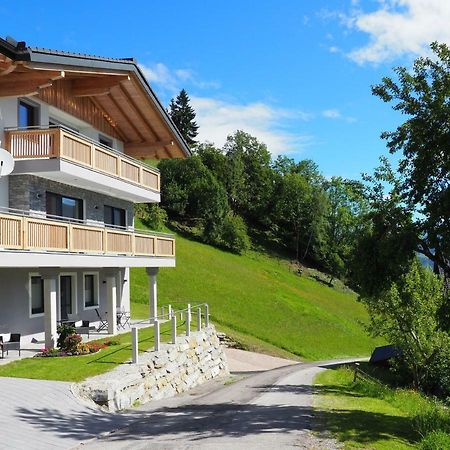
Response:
column 15, row 300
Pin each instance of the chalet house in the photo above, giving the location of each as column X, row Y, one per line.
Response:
column 78, row 127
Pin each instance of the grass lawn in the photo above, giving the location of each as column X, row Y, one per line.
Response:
column 77, row 368
column 257, row 300
column 366, row 414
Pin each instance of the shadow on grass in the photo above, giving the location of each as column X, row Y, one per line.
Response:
column 366, row 427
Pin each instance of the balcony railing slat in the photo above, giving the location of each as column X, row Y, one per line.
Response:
column 29, row 233
column 57, row 142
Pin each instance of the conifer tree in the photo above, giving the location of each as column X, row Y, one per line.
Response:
column 183, row 116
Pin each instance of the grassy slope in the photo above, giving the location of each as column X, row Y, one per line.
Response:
column 255, row 298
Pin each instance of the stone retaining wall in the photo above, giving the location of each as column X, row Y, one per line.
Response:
column 173, row 369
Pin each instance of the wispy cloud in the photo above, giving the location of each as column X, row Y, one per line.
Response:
column 334, row 113
column 173, row 80
column 217, row 119
column 398, row 28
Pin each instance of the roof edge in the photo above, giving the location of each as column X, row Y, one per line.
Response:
column 21, row 52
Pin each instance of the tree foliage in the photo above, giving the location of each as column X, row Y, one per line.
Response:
column 408, row 315
column 183, row 116
column 423, row 95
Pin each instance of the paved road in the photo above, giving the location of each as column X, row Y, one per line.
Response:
column 265, row 411
column 37, row 414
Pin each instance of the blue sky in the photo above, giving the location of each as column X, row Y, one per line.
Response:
column 296, row 74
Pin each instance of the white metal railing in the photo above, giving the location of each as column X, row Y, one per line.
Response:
column 201, row 310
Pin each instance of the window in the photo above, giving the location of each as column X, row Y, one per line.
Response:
column 105, row 140
column 63, row 206
column 90, row 290
column 28, row 114
column 67, row 295
column 36, row 295
column 115, row 216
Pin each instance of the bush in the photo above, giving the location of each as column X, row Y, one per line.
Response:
column 151, row 215
column 234, row 235
column 71, row 343
column 63, row 331
column 408, row 316
column 437, row 440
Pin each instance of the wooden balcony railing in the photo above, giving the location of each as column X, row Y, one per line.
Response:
column 66, row 144
column 31, row 233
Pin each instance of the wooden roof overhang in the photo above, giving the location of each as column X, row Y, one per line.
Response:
column 112, row 95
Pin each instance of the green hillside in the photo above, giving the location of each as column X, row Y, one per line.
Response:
column 256, row 299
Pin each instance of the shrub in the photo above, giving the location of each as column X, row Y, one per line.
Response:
column 82, row 348
column 408, row 316
column 151, row 215
column 63, row 331
column 71, row 343
column 437, row 440
column 234, row 234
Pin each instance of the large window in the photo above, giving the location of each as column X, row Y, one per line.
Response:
column 36, row 295
column 115, row 216
column 28, row 114
column 61, row 205
column 90, row 290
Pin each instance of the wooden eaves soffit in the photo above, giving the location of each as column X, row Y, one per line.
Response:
column 110, row 94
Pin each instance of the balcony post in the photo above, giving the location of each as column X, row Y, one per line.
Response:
column 50, row 307
column 152, row 273
column 111, row 301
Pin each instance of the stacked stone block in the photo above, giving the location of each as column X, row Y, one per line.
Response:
column 174, row 369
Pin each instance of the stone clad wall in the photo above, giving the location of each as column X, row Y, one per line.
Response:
column 171, row 370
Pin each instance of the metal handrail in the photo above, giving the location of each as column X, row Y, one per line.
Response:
column 42, row 215
column 87, row 138
column 174, row 312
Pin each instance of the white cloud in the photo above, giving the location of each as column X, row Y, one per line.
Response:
column 336, row 114
column 217, row 119
column 400, row 27
column 174, row 80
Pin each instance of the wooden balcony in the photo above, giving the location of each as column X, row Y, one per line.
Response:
column 68, row 145
column 36, row 234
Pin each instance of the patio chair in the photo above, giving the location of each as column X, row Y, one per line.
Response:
column 83, row 327
column 12, row 344
column 103, row 322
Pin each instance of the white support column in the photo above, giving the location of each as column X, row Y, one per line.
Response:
column 111, row 302
column 152, row 272
column 50, row 308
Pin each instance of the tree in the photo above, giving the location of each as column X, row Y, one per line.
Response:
column 345, row 222
column 423, row 94
column 183, row 116
column 190, row 192
column 407, row 315
column 250, row 177
column 387, row 243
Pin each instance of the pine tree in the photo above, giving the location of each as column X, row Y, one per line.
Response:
column 183, row 115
